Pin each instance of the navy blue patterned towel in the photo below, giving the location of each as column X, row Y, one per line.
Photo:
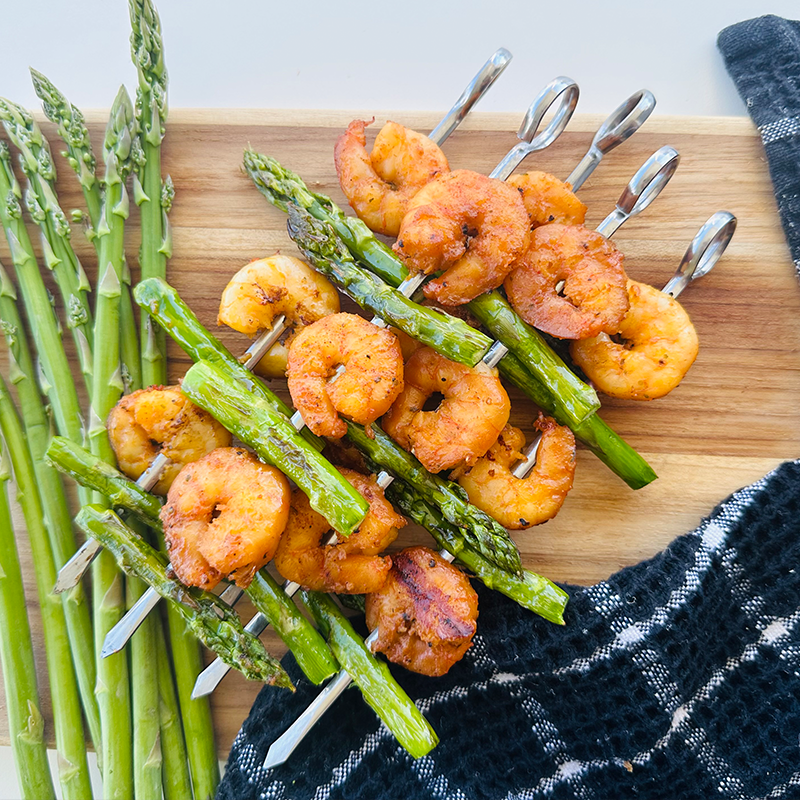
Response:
column 763, row 58
column 676, row 678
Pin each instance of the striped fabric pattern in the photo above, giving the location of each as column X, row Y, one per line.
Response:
column 762, row 56
column 676, row 678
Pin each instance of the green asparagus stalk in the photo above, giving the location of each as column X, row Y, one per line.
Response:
column 25, row 723
column 527, row 357
column 372, row 676
column 151, row 114
column 310, row 651
column 530, row 590
column 212, row 620
column 145, row 697
column 54, row 501
column 73, row 767
column 484, row 534
column 72, row 129
column 43, row 324
column 42, row 203
column 108, row 585
column 284, row 188
column 161, row 300
column 449, row 336
column 176, row 780
column 303, row 639
column 274, row 439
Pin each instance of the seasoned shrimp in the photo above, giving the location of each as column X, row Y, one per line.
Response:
column 588, row 267
column 224, row 516
column 379, row 185
column 547, row 199
column 161, row 419
column 659, row 344
column 268, row 287
column 473, row 411
column 468, row 225
column 352, row 566
column 425, row 613
column 518, row 503
column 372, row 378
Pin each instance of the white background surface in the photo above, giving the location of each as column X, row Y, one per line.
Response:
column 416, row 55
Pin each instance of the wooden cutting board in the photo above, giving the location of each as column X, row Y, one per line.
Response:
column 734, row 417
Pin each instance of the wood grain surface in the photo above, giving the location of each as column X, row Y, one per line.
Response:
column 734, row 417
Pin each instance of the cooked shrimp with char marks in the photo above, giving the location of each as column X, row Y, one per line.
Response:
column 518, row 503
column 353, row 565
column 547, row 199
column 473, row 411
column 570, row 283
column 379, row 185
column 426, row 613
column 650, row 353
column 268, row 288
column 224, row 516
column 161, row 419
column 468, row 225
column 372, row 377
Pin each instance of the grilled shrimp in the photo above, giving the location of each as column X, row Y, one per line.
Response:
column 379, row 185
column 547, row 199
column 161, row 419
column 518, row 503
column 352, row 566
column 468, row 225
column 588, row 267
column 224, row 516
column 652, row 350
column 425, row 613
column 473, row 411
column 372, row 378
column 268, row 287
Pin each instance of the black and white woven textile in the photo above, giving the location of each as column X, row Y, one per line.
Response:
column 676, row 678
column 763, row 57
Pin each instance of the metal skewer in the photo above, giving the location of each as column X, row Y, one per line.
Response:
column 703, row 253
column 119, row 635
column 564, row 92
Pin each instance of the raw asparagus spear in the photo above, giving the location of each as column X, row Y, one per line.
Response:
column 72, row 129
column 54, row 501
column 114, row 692
column 25, row 723
column 372, row 676
column 42, row 321
column 42, row 203
column 73, row 767
column 151, row 113
column 212, row 620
